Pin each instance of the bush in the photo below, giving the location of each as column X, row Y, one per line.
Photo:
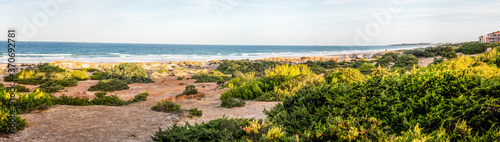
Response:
column 89, row 70
column 79, row 75
column 73, row 101
column 195, row 112
column 1, row 85
column 215, row 130
column 230, row 66
column 26, row 103
column 346, row 75
column 51, row 87
column 472, row 48
column 5, row 122
column 166, row 106
column 190, row 89
column 324, row 64
column 213, row 76
column 140, row 97
column 97, row 76
column 179, row 78
column 437, row 61
column 232, row 102
column 102, row 99
column 366, row 68
column 276, row 84
column 128, row 73
column 109, row 85
column 21, row 88
column 406, row 62
column 386, row 58
column 455, row 100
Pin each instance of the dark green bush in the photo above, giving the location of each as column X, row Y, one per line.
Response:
column 232, row 102
column 102, row 99
column 230, row 66
column 190, row 89
column 366, row 68
column 109, row 85
column 2, row 85
column 179, row 78
column 73, row 101
column 97, row 76
column 128, row 73
column 437, row 61
column 406, row 62
column 140, row 97
column 21, row 88
column 166, row 106
column 215, row 130
column 51, row 87
column 386, row 58
column 213, row 76
column 324, row 64
column 419, row 53
column 472, row 48
column 195, row 112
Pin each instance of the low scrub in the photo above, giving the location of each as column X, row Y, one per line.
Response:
column 128, row 73
column 140, row 97
column 277, row 83
column 72, row 101
column 232, row 102
column 215, row 130
column 20, row 88
column 190, row 90
column 213, row 76
column 195, row 112
column 5, row 122
column 109, row 85
column 166, row 106
column 79, row 75
column 89, row 70
column 102, row 99
column 472, row 48
column 244, row 66
column 51, row 78
column 97, row 76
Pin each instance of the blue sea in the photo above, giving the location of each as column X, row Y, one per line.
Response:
column 37, row 52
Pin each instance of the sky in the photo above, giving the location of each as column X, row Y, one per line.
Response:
column 251, row 22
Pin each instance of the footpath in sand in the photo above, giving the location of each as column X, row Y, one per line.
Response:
column 134, row 122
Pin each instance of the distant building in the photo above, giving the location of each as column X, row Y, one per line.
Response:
column 490, row 38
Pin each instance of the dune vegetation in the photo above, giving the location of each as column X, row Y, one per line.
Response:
column 454, row 100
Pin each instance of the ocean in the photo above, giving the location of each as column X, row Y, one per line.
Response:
column 39, row 52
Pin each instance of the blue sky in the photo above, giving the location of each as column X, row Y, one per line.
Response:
column 255, row 22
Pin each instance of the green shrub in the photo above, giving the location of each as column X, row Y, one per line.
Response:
column 97, row 76
column 213, row 76
column 366, row 68
column 322, row 64
column 73, row 101
column 166, row 106
column 179, row 78
column 456, row 100
column 230, row 66
column 51, row 87
column 141, row 97
column 102, row 99
column 2, row 85
column 5, row 122
column 190, row 89
column 437, row 61
column 232, row 102
column 79, row 75
column 274, row 85
column 195, row 112
column 21, row 88
column 472, row 48
column 386, row 58
column 89, row 69
column 129, row 73
column 109, row 85
column 406, row 62
column 346, row 75
column 419, row 53
column 223, row 129
column 26, row 103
